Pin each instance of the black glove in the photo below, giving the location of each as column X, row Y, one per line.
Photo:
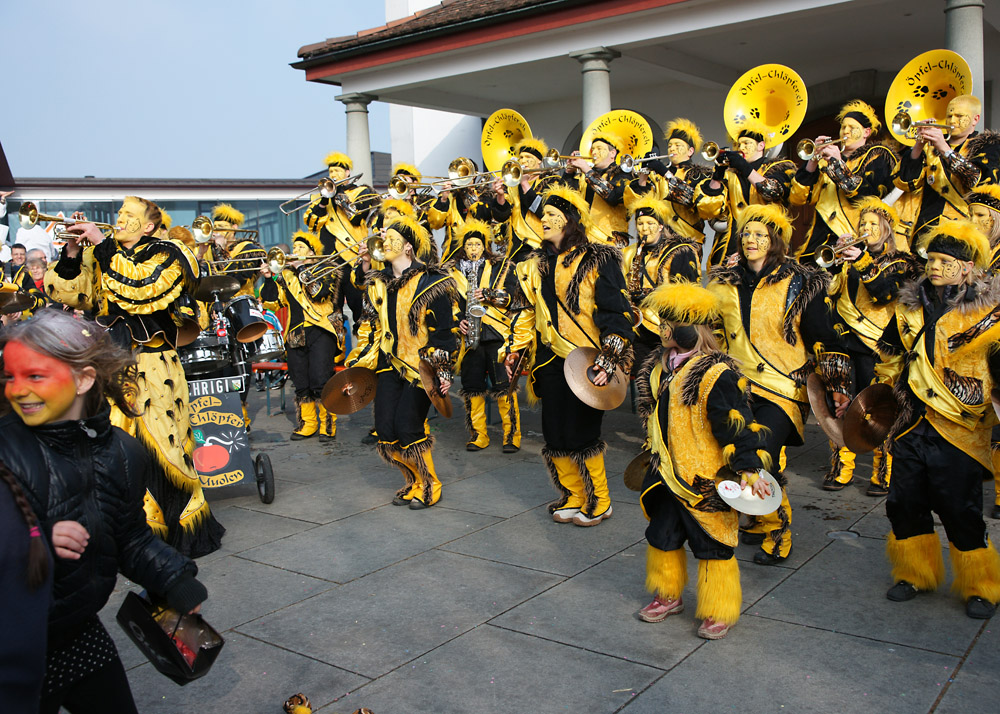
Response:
column 656, row 166
column 719, row 172
column 738, row 163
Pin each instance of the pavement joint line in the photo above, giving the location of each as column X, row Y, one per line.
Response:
column 306, row 656
column 958, row 668
column 287, row 570
column 509, row 565
column 291, row 518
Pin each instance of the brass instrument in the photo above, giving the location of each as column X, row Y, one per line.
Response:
column 474, row 311
column 807, row 148
column 712, row 152
column 775, row 95
column 922, row 89
column 630, row 129
column 202, row 229
column 829, row 256
column 628, row 163
column 324, row 185
column 635, row 290
column 321, row 268
column 555, row 160
column 512, row 171
column 399, row 188
column 906, row 126
column 29, row 217
column 502, row 133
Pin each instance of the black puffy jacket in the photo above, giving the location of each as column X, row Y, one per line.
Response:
column 93, row 473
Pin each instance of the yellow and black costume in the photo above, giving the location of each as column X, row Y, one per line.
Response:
column 604, row 192
column 776, row 326
column 700, row 429
column 838, row 183
column 390, row 208
column 134, row 292
column 482, row 370
column 525, row 226
column 407, row 318
column 314, row 335
column 451, row 211
column 737, row 193
column 942, row 351
column 569, row 298
column 864, row 293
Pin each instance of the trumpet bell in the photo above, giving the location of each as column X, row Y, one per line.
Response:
column 511, row 173
column 923, row 88
column 710, row 151
column 376, row 248
column 772, row 94
column 201, row 229
column 631, row 130
column 28, row 215
column 502, row 132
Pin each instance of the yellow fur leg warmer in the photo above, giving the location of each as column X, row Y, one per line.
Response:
column 916, row 560
column 977, row 572
column 666, row 572
column 720, row 596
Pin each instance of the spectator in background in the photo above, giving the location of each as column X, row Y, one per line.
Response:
column 36, row 237
column 37, row 263
column 17, row 257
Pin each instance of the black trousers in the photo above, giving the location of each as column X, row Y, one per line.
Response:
column 779, row 427
column 567, row 423
column 642, row 347
column 400, row 409
column 482, row 370
column 671, row 525
column 929, row 474
column 310, row 367
column 106, row 690
column 863, row 364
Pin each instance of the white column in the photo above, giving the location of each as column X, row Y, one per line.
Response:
column 359, row 146
column 963, row 32
column 596, row 81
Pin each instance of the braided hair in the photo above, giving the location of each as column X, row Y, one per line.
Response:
column 38, row 559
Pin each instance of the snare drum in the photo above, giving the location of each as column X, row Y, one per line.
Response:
column 246, row 319
column 207, row 353
column 270, row 347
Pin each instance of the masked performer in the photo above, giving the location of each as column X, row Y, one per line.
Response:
column 571, row 293
column 674, row 182
column 942, row 352
column 775, row 325
column 742, row 179
column 409, row 316
column 314, row 333
column 941, row 172
column 834, row 179
column 475, row 270
column 696, row 409
column 864, row 292
column 600, row 180
column 658, row 256
column 133, row 283
column 456, row 203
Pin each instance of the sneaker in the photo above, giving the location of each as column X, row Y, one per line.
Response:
column 369, row 438
column 510, row 449
column 712, row 630
column 979, row 609
column 995, row 513
column 659, row 610
column 564, row 515
column 902, row 591
column 583, row 520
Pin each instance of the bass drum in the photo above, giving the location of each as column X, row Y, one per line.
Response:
column 246, row 319
column 269, row 348
column 206, row 354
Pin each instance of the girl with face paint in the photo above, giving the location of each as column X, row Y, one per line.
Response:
column 775, row 326
column 696, row 410
column 84, row 479
column 864, row 292
column 940, row 354
column 984, row 212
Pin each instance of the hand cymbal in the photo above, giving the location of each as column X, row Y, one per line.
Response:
column 431, row 385
column 869, row 418
column 14, row 302
column 635, row 472
column 224, row 286
column 828, row 422
column 349, row 390
column 578, row 369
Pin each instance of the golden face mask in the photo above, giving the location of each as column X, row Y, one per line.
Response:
column 982, row 218
column 648, row 228
column 528, row 161
column 601, row 154
column 959, row 117
column 131, row 221
column 750, row 148
column 851, row 131
column 756, row 240
column 393, row 245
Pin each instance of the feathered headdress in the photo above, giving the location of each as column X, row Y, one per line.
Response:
column 753, row 129
column 872, row 204
column 684, row 303
column 987, row 195
column 569, row 202
column 403, row 208
column 475, row 228
column 961, row 240
column 686, row 131
column 412, row 232
column 166, row 220
column 862, row 113
column 535, row 147
column 406, row 170
column 770, row 215
column 649, row 205
column 225, row 212
column 609, row 139
column 310, row 239
column 338, row 159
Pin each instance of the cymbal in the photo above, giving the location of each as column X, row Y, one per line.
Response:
column 429, row 381
column 579, row 370
column 349, row 390
column 14, row 302
column 995, row 395
column 732, row 494
column 515, row 372
column 224, row 286
column 635, row 472
column 830, row 424
column 869, row 418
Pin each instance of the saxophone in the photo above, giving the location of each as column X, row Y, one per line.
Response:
column 474, row 310
column 635, row 289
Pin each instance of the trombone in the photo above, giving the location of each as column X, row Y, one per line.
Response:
column 829, row 256
column 905, row 125
column 202, row 229
column 29, row 217
column 324, row 184
column 277, row 258
column 555, row 160
column 807, row 148
column 512, row 171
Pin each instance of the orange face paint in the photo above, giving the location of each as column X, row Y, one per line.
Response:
column 40, row 388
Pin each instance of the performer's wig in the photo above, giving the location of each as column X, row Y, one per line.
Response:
column 961, row 240
column 406, row 170
column 772, row 216
column 649, row 205
column 685, row 130
column 535, row 147
column 683, row 303
column 413, row 233
column 862, row 113
column 336, row 158
column 225, row 212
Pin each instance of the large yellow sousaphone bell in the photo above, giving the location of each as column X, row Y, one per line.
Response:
column 921, row 91
column 632, row 131
column 771, row 94
column 502, row 132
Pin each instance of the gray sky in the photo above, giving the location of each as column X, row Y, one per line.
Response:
column 180, row 89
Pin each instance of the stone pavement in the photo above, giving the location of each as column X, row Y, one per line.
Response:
column 483, row 604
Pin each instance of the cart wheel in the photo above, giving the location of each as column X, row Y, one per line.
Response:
column 265, row 478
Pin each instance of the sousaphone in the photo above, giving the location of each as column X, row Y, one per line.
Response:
column 771, row 94
column 923, row 88
column 631, row 130
column 502, row 132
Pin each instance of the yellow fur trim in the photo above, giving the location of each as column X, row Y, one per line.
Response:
column 916, row 560
column 765, row 459
column 742, row 383
column 421, row 237
column 736, row 420
column 225, row 212
column 339, row 159
column 650, row 202
column 873, row 204
column 404, row 208
column 408, row 169
column 666, row 572
column 685, row 303
column 720, row 595
column 166, row 220
column 310, row 239
column 609, row 139
column 531, row 143
column 989, row 191
column 966, row 233
column 688, row 127
column 728, row 452
column 474, row 225
column 752, row 126
column 864, row 108
column 769, row 214
column 977, row 572
column 571, row 196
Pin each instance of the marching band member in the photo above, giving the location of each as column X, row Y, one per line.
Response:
column 658, row 256
column 408, row 317
column 526, row 199
column 864, row 294
column 675, row 183
column 314, row 333
column 741, row 179
column 392, row 208
column 775, row 323
column 600, row 180
column 482, row 372
column 941, row 349
column 940, row 172
column 696, row 410
column 133, row 281
column 571, row 293
column 456, row 204
column 832, row 179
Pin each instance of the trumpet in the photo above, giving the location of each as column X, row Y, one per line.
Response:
column 325, row 184
column 202, row 229
column 29, row 217
column 555, row 160
column 628, row 163
column 905, row 125
column 712, row 152
column 829, row 256
column 512, row 171
column 807, row 148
